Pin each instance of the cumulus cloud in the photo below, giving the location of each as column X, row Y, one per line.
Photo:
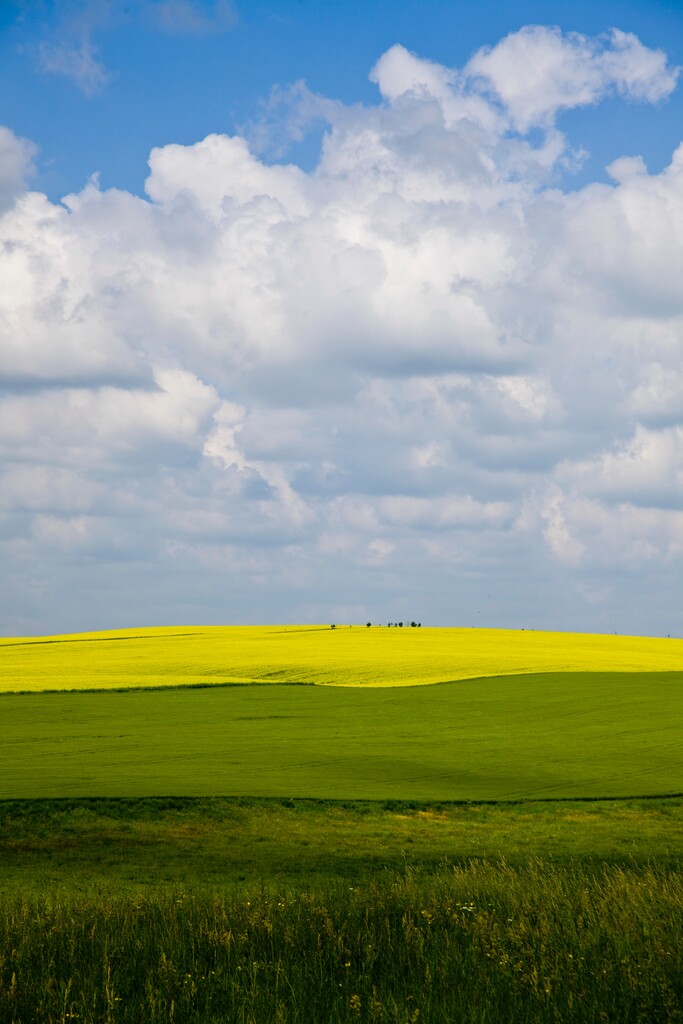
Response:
column 538, row 71
column 580, row 530
column 415, row 375
column 645, row 470
column 16, row 164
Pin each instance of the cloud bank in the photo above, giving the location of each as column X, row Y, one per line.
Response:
column 419, row 381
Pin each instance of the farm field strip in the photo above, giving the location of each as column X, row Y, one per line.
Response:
column 520, row 737
column 345, row 656
column 133, row 845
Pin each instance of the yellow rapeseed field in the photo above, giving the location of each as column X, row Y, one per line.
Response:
column 344, row 656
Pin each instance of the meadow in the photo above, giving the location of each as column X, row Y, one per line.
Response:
column 127, row 847
column 124, row 911
column 179, row 845
column 483, row 944
column 506, row 738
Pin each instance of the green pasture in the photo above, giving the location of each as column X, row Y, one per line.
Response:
column 128, row 846
column 543, row 736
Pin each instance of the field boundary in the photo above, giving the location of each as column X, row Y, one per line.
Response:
column 180, row 801
column 261, row 683
column 172, row 686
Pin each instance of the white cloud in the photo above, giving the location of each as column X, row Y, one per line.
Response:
column 622, row 537
column 27, row 487
column 538, row 72
column 557, row 530
column 414, row 371
column 646, row 470
column 626, row 167
column 658, row 398
column 16, row 165
column 286, row 116
column 219, row 173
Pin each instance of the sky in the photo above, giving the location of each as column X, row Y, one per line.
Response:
column 341, row 312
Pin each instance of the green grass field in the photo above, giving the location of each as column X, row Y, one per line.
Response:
column 507, row 738
column 481, row 944
column 130, row 846
column 177, row 846
column 202, row 912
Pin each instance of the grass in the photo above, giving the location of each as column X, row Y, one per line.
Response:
column 349, row 656
column 476, row 944
column 136, row 889
column 264, row 912
column 121, row 847
column 508, row 738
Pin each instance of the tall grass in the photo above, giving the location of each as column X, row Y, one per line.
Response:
column 482, row 943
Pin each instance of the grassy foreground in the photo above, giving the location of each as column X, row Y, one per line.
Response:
column 348, row 656
column 518, row 737
column 485, row 943
column 200, row 912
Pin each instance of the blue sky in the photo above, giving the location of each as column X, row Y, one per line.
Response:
column 341, row 312
column 214, row 76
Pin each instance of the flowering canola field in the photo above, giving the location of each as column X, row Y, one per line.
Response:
column 345, row 656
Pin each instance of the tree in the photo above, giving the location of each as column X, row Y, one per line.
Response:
column 368, row 623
